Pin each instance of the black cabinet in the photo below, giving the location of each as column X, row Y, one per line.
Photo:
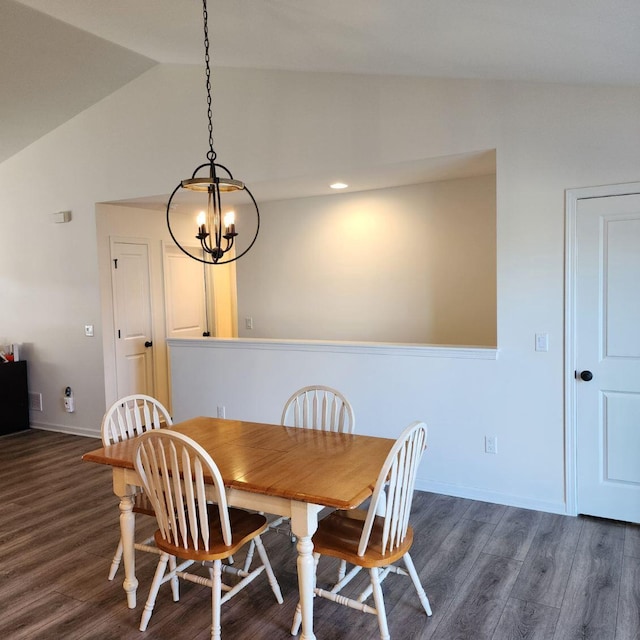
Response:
column 14, row 397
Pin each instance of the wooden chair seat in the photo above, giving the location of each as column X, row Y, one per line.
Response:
column 245, row 525
column 339, row 535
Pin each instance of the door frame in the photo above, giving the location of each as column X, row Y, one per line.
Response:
column 572, row 196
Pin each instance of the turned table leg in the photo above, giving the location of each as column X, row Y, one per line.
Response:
column 126, row 492
column 127, row 530
column 304, row 522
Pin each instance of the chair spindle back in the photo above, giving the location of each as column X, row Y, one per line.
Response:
column 132, row 416
column 398, row 477
column 319, row 407
column 174, row 470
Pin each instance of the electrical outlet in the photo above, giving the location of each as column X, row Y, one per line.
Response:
column 221, row 411
column 69, row 402
column 248, row 323
column 491, row 444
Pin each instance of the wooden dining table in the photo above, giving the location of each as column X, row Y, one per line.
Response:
column 286, row 471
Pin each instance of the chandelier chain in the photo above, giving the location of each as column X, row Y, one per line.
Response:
column 211, row 154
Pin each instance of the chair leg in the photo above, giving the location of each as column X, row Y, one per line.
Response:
column 342, row 570
column 175, row 583
column 115, row 563
column 297, row 620
column 153, row 591
column 408, row 562
column 147, row 545
column 249, row 558
column 379, row 600
column 275, row 587
column 215, row 574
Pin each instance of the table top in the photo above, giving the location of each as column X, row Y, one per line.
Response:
column 336, row 470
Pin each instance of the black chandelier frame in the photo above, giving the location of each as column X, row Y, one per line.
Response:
column 216, row 239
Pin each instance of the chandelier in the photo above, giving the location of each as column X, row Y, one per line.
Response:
column 216, row 227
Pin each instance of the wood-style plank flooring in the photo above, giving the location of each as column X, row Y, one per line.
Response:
column 491, row 572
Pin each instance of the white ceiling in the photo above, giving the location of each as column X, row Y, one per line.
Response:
column 57, row 57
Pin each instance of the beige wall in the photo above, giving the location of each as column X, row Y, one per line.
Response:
column 411, row 264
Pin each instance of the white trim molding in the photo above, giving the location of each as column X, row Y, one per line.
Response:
column 85, row 432
column 495, row 497
column 370, row 348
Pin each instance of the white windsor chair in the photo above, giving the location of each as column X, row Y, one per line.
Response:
column 174, row 469
column 368, row 540
column 314, row 407
column 129, row 417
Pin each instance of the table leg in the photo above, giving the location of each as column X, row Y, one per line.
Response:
column 304, row 522
column 127, row 532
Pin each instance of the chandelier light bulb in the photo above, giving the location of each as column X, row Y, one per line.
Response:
column 202, row 219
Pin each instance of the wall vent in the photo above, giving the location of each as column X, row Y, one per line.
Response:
column 35, row 401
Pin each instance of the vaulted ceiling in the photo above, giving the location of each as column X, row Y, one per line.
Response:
column 58, row 57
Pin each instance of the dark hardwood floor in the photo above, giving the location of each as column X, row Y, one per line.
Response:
column 491, row 572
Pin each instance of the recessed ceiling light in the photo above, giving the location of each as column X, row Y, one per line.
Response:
column 338, row 185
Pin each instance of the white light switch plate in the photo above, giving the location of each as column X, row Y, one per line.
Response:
column 542, row 342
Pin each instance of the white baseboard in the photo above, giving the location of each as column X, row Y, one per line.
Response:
column 63, row 428
column 495, row 497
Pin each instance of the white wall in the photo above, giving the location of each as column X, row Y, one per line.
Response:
column 49, row 272
column 388, row 387
column 147, row 136
column 411, row 264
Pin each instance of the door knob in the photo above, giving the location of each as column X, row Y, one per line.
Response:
column 586, row 375
column 149, row 343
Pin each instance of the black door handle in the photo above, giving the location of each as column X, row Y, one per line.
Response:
column 586, row 375
column 148, row 344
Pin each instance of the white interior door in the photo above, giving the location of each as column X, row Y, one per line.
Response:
column 607, row 344
column 184, row 295
column 132, row 318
